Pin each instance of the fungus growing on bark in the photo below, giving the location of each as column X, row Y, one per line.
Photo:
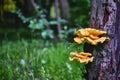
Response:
column 91, row 36
column 90, row 40
column 89, row 31
column 81, row 57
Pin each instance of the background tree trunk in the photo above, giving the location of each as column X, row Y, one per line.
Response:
column 105, row 16
column 1, row 10
column 57, row 11
column 65, row 9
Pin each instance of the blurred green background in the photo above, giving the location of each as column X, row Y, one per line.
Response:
column 36, row 39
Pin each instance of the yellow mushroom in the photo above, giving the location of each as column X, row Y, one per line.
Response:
column 81, row 57
column 91, row 41
column 79, row 40
column 89, row 31
column 87, row 35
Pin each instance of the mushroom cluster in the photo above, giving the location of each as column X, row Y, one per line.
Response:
column 81, row 57
column 91, row 36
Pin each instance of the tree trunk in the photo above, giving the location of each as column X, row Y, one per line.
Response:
column 105, row 16
column 1, row 11
column 57, row 11
column 65, row 9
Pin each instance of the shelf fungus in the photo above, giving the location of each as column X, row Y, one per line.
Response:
column 91, row 36
column 81, row 57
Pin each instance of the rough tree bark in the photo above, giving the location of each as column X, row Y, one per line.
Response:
column 105, row 16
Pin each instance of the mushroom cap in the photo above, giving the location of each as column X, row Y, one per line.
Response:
column 89, row 31
column 90, row 40
column 82, row 57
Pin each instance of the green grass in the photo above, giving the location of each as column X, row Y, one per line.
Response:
column 38, row 60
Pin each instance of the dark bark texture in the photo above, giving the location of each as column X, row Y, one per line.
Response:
column 105, row 16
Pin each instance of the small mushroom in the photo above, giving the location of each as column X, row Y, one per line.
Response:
column 81, row 57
